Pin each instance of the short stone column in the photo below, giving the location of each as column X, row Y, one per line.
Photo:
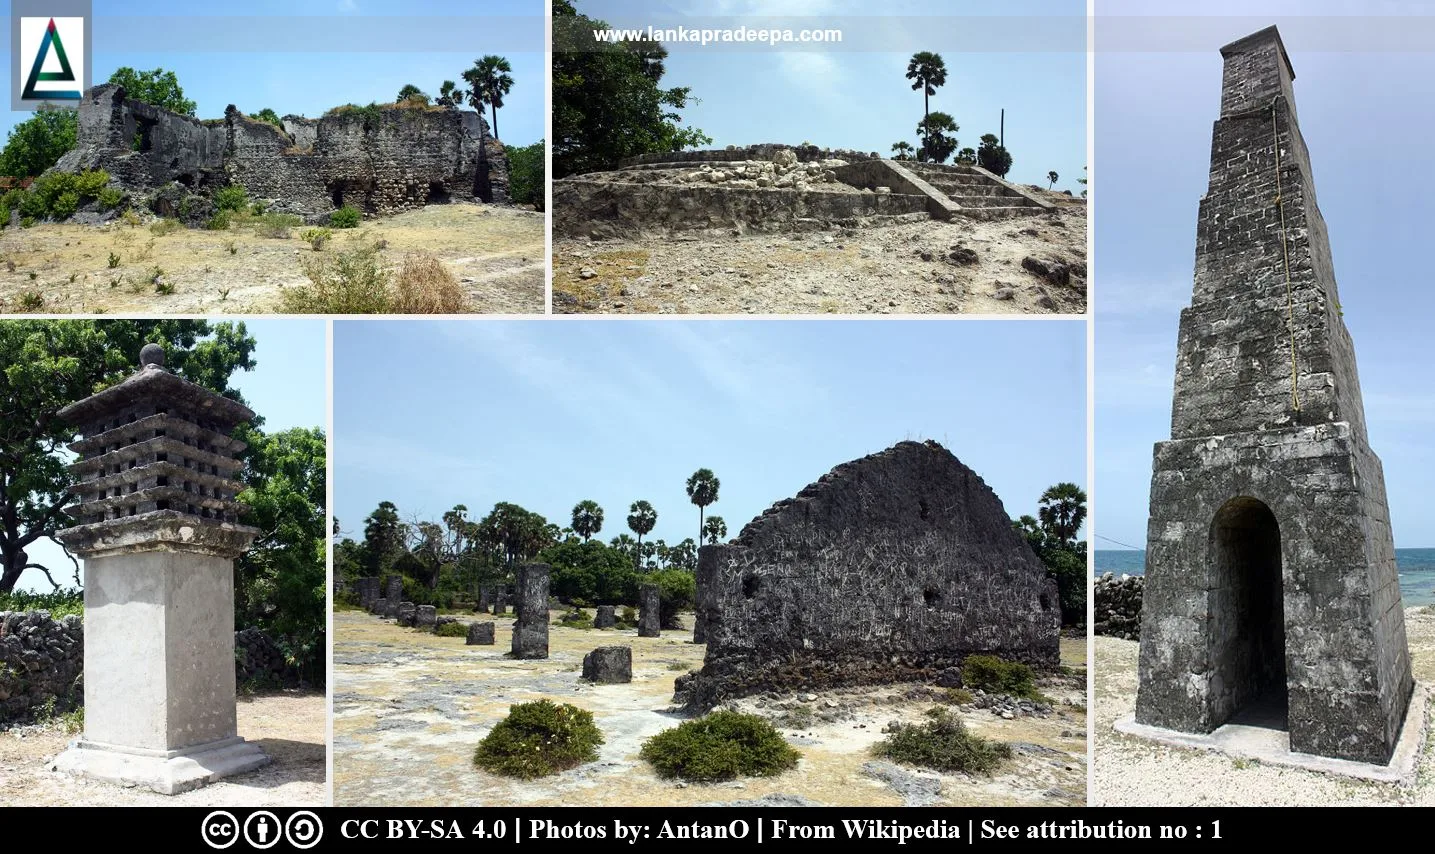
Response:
column 530, row 629
column 394, row 591
column 500, row 601
column 479, row 634
column 406, row 613
column 368, row 591
column 650, row 620
column 485, row 600
column 609, row 665
column 158, row 530
column 425, row 617
column 380, row 606
column 606, row 618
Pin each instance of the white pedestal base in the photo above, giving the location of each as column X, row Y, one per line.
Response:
column 167, row 773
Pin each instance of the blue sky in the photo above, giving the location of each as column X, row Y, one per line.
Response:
column 1368, row 142
column 362, row 51
column 1031, row 61
column 287, row 387
column 547, row 413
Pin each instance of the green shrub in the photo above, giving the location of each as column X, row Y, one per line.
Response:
column 452, row 630
column 89, row 185
column 231, row 198
column 999, row 676
column 31, row 300
column 110, row 198
column 942, row 743
column 722, row 745
column 219, row 222
column 538, row 739
column 168, row 225
column 64, row 207
column 677, row 591
column 576, row 619
column 114, row 260
column 958, row 696
column 346, row 217
column 350, row 283
column 626, row 618
column 316, row 237
column 60, row 603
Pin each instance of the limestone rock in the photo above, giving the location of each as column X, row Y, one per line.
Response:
column 479, row 634
column 609, row 665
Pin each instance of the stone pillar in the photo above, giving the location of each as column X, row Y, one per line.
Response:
column 485, row 599
column 480, row 634
column 500, row 601
column 1270, row 563
column 425, row 617
column 650, row 619
column 380, row 606
column 606, row 618
column 530, row 630
column 394, row 590
column 708, row 559
column 609, row 665
column 157, row 527
column 368, row 592
column 406, row 613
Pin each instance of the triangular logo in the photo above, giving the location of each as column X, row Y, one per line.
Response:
column 52, row 38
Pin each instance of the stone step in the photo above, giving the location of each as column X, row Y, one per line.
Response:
column 1000, row 212
column 954, row 189
column 968, row 201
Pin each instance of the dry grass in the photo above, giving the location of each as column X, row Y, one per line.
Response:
column 425, row 286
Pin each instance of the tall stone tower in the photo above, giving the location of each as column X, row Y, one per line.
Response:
column 158, row 532
column 1271, row 588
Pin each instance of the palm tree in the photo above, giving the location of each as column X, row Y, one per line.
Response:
column 449, row 95
column 928, row 72
column 488, row 81
column 715, row 529
column 587, row 518
column 1051, row 179
column 641, row 519
column 702, row 491
column 1062, row 509
column 903, row 150
column 409, row 91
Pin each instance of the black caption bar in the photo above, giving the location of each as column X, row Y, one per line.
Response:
column 338, row 829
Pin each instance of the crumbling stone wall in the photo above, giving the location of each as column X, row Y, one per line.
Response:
column 42, row 662
column 894, row 566
column 380, row 161
column 1117, row 603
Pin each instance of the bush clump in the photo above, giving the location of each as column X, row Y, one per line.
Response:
column 231, row 198
column 942, row 743
column 576, row 619
column 275, row 225
column 452, row 630
column 425, row 286
column 999, row 676
column 110, row 198
column 316, row 237
column 56, row 195
column 719, row 746
column 346, row 217
column 60, row 603
column 168, row 225
column 348, row 283
column 538, row 739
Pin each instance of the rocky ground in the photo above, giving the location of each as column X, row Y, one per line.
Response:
column 917, row 267
column 496, row 253
column 1128, row 771
column 410, row 707
column 289, row 725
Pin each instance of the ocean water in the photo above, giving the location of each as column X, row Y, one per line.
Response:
column 1416, row 566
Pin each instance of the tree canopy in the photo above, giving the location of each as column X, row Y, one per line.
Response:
column 489, row 82
column 607, row 101
column 1061, row 510
column 157, row 86
column 37, row 143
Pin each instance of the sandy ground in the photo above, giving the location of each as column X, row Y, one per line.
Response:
column 289, row 725
column 1130, row 771
column 410, row 707
column 879, row 270
column 496, row 253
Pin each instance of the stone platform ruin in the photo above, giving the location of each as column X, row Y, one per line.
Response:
column 1271, row 593
column 381, row 160
column 892, row 567
column 777, row 188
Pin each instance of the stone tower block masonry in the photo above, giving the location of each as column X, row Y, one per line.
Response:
column 1271, row 585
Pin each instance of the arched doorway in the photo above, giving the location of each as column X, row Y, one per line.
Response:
column 1247, row 615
